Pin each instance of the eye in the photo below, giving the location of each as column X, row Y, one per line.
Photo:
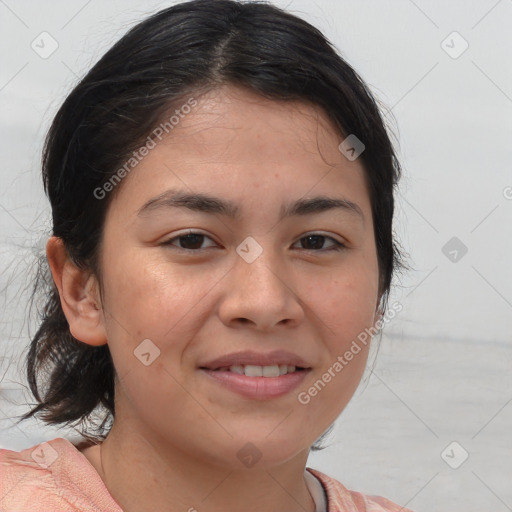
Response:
column 317, row 241
column 191, row 241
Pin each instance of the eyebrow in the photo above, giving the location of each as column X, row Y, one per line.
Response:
column 214, row 205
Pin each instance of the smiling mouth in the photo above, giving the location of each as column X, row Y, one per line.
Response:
column 251, row 370
column 258, row 382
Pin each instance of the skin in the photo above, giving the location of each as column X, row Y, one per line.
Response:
column 176, row 434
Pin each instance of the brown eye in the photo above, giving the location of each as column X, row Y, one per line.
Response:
column 316, row 242
column 188, row 242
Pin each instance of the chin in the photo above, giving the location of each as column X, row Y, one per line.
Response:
column 261, row 451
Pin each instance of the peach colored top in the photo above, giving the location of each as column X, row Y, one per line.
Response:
column 55, row 476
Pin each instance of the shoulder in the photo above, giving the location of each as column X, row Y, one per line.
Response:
column 341, row 498
column 52, row 475
column 26, row 475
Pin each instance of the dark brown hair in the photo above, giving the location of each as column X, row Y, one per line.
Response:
column 169, row 56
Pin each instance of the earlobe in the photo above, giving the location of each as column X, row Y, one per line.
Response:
column 79, row 295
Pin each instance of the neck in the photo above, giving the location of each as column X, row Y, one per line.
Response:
column 146, row 476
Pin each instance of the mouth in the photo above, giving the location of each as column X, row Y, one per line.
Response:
column 251, row 370
column 256, row 364
column 257, row 376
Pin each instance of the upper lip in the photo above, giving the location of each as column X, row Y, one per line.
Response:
column 277, row 357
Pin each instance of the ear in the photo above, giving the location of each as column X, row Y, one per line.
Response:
column 79, row 295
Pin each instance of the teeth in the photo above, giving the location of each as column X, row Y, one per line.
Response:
column 271, row 371
column 237, row 369
column 250, row 370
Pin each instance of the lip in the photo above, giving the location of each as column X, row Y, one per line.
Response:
column 257, row 388
column 255, row 358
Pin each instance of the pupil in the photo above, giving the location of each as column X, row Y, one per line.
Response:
column 317, row 238
column 192, row 240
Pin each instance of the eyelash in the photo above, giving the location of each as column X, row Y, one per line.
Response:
column 337, row 247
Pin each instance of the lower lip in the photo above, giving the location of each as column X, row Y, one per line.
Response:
column 258, row 388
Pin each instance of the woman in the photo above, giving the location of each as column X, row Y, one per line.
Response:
column 221, row 184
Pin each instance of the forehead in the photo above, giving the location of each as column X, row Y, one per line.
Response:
column 235, row 143
column 235, row 122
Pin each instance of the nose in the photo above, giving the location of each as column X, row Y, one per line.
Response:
column 261, row 294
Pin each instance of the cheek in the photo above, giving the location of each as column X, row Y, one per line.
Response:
column 151, row 315
column 152, row 296
column 343, row 309
column 155, row 300
column 344, row 301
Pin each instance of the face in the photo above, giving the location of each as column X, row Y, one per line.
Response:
column 187, row 282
